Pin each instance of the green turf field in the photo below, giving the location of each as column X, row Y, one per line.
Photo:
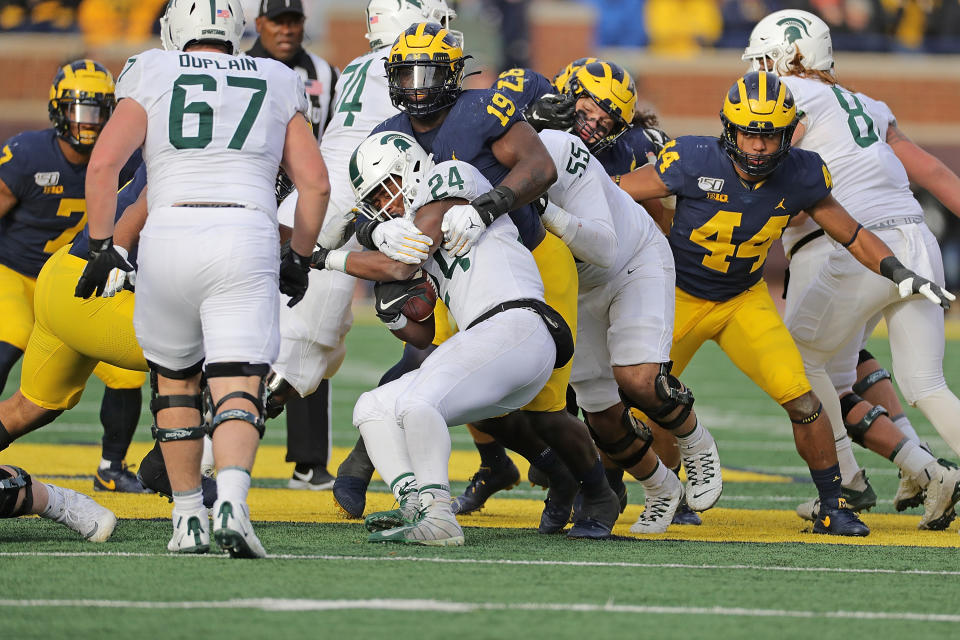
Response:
column 324, row 580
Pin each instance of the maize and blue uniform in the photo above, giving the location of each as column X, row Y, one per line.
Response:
column 477, row 120
column 74, row 337
column 722, row 230
column 631, row 150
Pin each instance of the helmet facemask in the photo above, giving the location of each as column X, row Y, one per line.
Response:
column 611, row 89
column 81, row 101
column 392, row 162
column 758, row 104
column 423, row 88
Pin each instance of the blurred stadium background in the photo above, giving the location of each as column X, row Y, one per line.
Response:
column 683, row 53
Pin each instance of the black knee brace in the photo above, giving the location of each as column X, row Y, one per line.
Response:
column 158, row 403
column 858, row 430
column 10, row 487
column 867, row 381
column 634, row 430
column 672, row 393
column 237, row 369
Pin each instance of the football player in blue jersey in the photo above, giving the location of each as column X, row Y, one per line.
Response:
column 735, row 195
column 485, row 129
column 597, row 100
column 42, row 207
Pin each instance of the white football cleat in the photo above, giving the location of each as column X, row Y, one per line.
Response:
column 658, row 510
column 943, row 492
column 233, row 531
column 191, row 532
column 82, row 514
column 704, row 483
column 909, row 493
column 434, row 530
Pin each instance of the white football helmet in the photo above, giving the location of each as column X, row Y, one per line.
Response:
column 780, row 35
column 187, row 21
column 394, row 161
column 387, row 19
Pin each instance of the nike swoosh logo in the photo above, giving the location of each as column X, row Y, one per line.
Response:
column 629, row 271
column 109, row 486
column 92, row 532
column 390, row 303
column 697, row 495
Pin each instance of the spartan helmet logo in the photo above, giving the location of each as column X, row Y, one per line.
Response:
column 398, row 141
column 792, row 28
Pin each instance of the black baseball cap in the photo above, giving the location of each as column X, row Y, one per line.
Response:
column 274, row 8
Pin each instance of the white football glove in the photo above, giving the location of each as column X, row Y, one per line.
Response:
column 910, row 283
column 461, row 227
column 401, row 240
column 117, row 277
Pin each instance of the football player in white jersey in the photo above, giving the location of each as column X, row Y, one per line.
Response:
column 214, row 128
column 313, row 332
column 509, row 343
column 625, row 331
column 872, row 164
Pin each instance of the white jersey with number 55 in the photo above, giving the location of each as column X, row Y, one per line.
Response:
column 216, row 124
column 498, row 268
column 849, row 131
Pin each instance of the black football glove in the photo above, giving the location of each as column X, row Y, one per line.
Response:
column 390, row 298
column 494, row 203
column 102, row 258
column 318, row 260
column 293, row 274
column 283, row 187
column 552, row 111
column 909, row 283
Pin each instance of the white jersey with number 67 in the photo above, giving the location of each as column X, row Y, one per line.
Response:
column 216, row 124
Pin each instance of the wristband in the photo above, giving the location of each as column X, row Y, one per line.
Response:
column 494, row 203
column 336, row 260
column 365, row 229
column 396, row 325
column 616, row 180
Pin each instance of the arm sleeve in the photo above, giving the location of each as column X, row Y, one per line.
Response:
column 580, row 215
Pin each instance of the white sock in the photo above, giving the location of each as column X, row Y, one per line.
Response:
column 402, row 485
column 56, row 502
column 696, row 440
column 848, row 465
column 906, row 427
column 386, row 448
column 942, row 408
column 233, row 484
column 428, row 443
column 658, row 482
column 104, row 463
column 188, row 501
column 916, row 461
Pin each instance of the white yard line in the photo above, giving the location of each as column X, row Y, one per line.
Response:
column 479, row 561
column 443, row 606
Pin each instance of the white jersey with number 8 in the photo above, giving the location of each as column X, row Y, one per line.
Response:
column 217, row 124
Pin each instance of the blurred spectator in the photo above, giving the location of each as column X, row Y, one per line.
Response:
column 620, row 23
column 680, row 28
column 38, row 15
column 107, row 22
column 513, row 18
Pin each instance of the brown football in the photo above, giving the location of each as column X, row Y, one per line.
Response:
column 420, row 307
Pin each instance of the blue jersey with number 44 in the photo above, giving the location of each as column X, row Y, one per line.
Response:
column 477, row 119
column 723, row 227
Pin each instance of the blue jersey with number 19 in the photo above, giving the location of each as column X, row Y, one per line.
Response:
column 723, row 227
column 477, row 119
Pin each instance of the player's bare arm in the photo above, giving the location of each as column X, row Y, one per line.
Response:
column 123, row 134
column 127, row 232
column 926, row 170
column 7, row 200
column 644, row 184
column 304, row 164
column 531, row 169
